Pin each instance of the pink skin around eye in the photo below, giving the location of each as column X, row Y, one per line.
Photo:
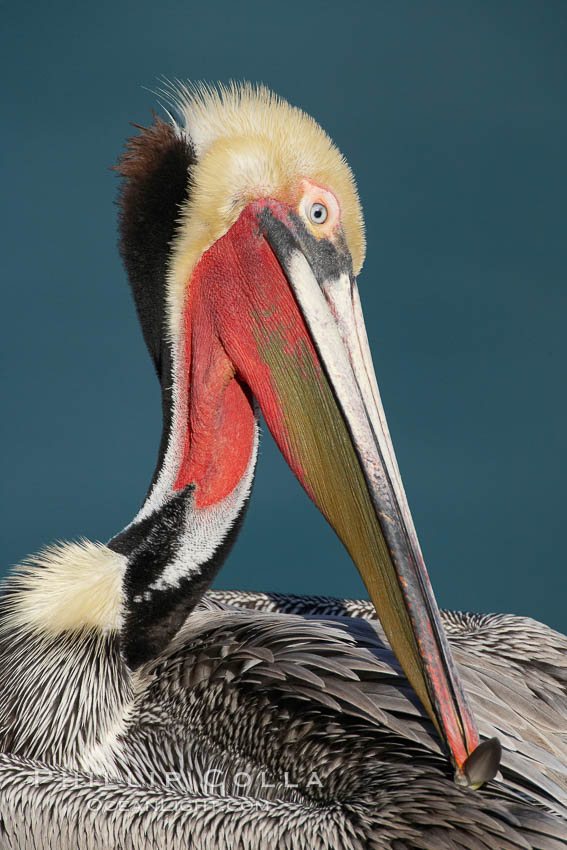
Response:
column 311, row 194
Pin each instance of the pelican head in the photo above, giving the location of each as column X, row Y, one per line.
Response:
column 242, row 234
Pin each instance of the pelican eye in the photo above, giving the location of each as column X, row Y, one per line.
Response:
column 318, row 213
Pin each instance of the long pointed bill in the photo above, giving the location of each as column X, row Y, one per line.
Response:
column 289, row 318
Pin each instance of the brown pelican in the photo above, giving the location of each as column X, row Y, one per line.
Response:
column 139, row 711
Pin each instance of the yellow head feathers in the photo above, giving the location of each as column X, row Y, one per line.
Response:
column 250, row 144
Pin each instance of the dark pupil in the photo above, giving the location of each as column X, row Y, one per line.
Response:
column 318, row 212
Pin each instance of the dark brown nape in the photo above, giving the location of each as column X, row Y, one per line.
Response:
column 156, row 169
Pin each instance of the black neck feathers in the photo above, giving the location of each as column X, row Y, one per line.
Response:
column 155, row 608
column 156, row 171
column 156, row 167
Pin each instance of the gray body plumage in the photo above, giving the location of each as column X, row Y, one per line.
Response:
column 291, row 725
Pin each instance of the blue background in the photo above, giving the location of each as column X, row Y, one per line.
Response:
column 452, row 115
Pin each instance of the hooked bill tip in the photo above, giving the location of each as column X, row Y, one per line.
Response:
column 482, row 764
